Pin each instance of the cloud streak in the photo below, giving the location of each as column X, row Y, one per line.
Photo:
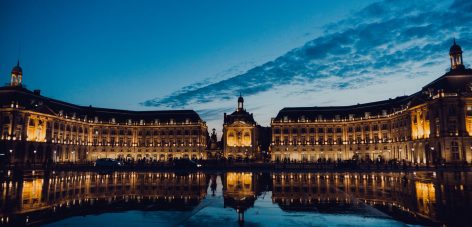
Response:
column 384, row 40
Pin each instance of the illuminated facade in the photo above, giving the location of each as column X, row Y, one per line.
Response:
column 37, row 129
column 240, row 134
column 444, row 197
column 42, row 197
column 430, row 127
column 241, row 189
column 65, row 194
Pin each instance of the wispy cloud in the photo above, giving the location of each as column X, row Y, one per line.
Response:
column 384, row 40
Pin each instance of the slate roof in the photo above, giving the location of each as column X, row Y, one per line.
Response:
column 241, row 115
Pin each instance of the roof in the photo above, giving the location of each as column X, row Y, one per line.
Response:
column 455, row 48
column 17, row 69
column 239, row 115
column 456, row 80
column 240, row 99
column 359, row 110
column 35, row 102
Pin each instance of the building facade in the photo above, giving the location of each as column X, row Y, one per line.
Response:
column 430, row 127
column 38, row 129
column 240, row 134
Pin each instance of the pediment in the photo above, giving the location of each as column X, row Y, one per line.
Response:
column 240, row 124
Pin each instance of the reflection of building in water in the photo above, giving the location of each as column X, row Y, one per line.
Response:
column 427, row 127
column 240, row 190
column 75, row 193
column 430, row 196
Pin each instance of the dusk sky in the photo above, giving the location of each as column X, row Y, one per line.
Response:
column 200, row 55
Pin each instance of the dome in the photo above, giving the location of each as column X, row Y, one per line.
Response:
column 240, row 99
column 17, row 69
column 455, row 48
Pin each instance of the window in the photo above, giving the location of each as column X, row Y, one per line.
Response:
column 358, row 139
column 384, row 137
column 455, row 150
column 304, row 157
column 278, row 157
column 277, row 140
column 452, row 110
column 469, row 111
column 436, row 126
column 376, row 138
column 451, row 126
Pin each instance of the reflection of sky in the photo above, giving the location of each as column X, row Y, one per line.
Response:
column 201, row 55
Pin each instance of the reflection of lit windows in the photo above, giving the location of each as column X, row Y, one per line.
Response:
column 469, row 111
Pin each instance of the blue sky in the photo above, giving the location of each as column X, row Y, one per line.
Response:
column 201, row 54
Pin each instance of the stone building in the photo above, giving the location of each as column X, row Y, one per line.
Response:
column 38, row 129
column 240, row 134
